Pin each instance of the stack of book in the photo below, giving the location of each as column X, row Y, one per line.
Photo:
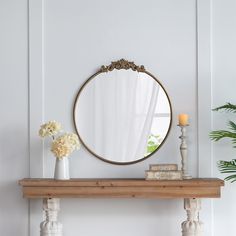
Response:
column 163, row 172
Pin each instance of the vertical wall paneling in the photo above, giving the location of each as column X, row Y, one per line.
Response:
column 204, row 87
column 36, row 101
column 204, row 98
column 224, row 84
column 36, row 84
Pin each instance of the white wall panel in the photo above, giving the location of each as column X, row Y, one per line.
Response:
column 80, row 36
column 204, row 104
column 14, row 156
column 224, row 84
column 188, row 44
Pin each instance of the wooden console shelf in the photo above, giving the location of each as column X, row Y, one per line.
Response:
column 51, row 191
column 121, row 188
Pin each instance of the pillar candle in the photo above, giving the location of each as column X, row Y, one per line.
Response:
column 183, row 119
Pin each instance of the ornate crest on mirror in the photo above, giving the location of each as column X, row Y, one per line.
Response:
column 122, row 113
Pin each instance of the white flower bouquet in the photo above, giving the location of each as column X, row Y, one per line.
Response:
column 63, row 145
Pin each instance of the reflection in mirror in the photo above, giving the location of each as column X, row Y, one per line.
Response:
column 122, row 116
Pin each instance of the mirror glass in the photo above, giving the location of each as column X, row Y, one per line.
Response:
column 122, row 116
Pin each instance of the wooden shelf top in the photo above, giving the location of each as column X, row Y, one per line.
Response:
column 121, row 188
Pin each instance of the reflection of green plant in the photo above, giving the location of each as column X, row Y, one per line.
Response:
column 153, row 143
column 228, row 167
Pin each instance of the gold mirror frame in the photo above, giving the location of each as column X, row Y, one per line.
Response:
column 119, row 65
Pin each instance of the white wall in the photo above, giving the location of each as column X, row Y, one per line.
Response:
column 14, row 155
column 224, row 84
column 68, row 41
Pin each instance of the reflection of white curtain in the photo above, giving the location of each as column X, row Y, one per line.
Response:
column 124, row 104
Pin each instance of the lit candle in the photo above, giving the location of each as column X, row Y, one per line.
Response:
column 183, row 119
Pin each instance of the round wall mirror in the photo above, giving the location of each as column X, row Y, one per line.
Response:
column 122, row 113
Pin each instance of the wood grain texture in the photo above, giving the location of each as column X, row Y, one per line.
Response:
column 121, row 188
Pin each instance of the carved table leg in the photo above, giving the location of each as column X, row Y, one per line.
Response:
column 192, row 226
column 50, row 226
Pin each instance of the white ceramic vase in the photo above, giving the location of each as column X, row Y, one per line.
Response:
column 62, row 169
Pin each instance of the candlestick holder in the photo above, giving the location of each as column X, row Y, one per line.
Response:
column 184, row 152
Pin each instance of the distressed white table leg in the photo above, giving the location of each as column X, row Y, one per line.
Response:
column 192, row 226
column 50, row 226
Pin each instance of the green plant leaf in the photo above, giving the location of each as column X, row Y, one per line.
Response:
column 151, row 143
column 151, row 149
column 228, row 167
column 227, row 107
column 231, row 178
column 219, row 134
column 232, row 126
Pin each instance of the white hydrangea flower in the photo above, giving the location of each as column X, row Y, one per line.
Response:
column 64, row 145
column 49, row 129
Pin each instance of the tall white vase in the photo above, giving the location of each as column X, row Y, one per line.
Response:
column 62, row 168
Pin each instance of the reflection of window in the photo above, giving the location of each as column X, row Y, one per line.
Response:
column 160, row 123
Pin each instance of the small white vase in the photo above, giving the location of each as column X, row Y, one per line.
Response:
column 62, row 168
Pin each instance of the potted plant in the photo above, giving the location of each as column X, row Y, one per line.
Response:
column 228, row 167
